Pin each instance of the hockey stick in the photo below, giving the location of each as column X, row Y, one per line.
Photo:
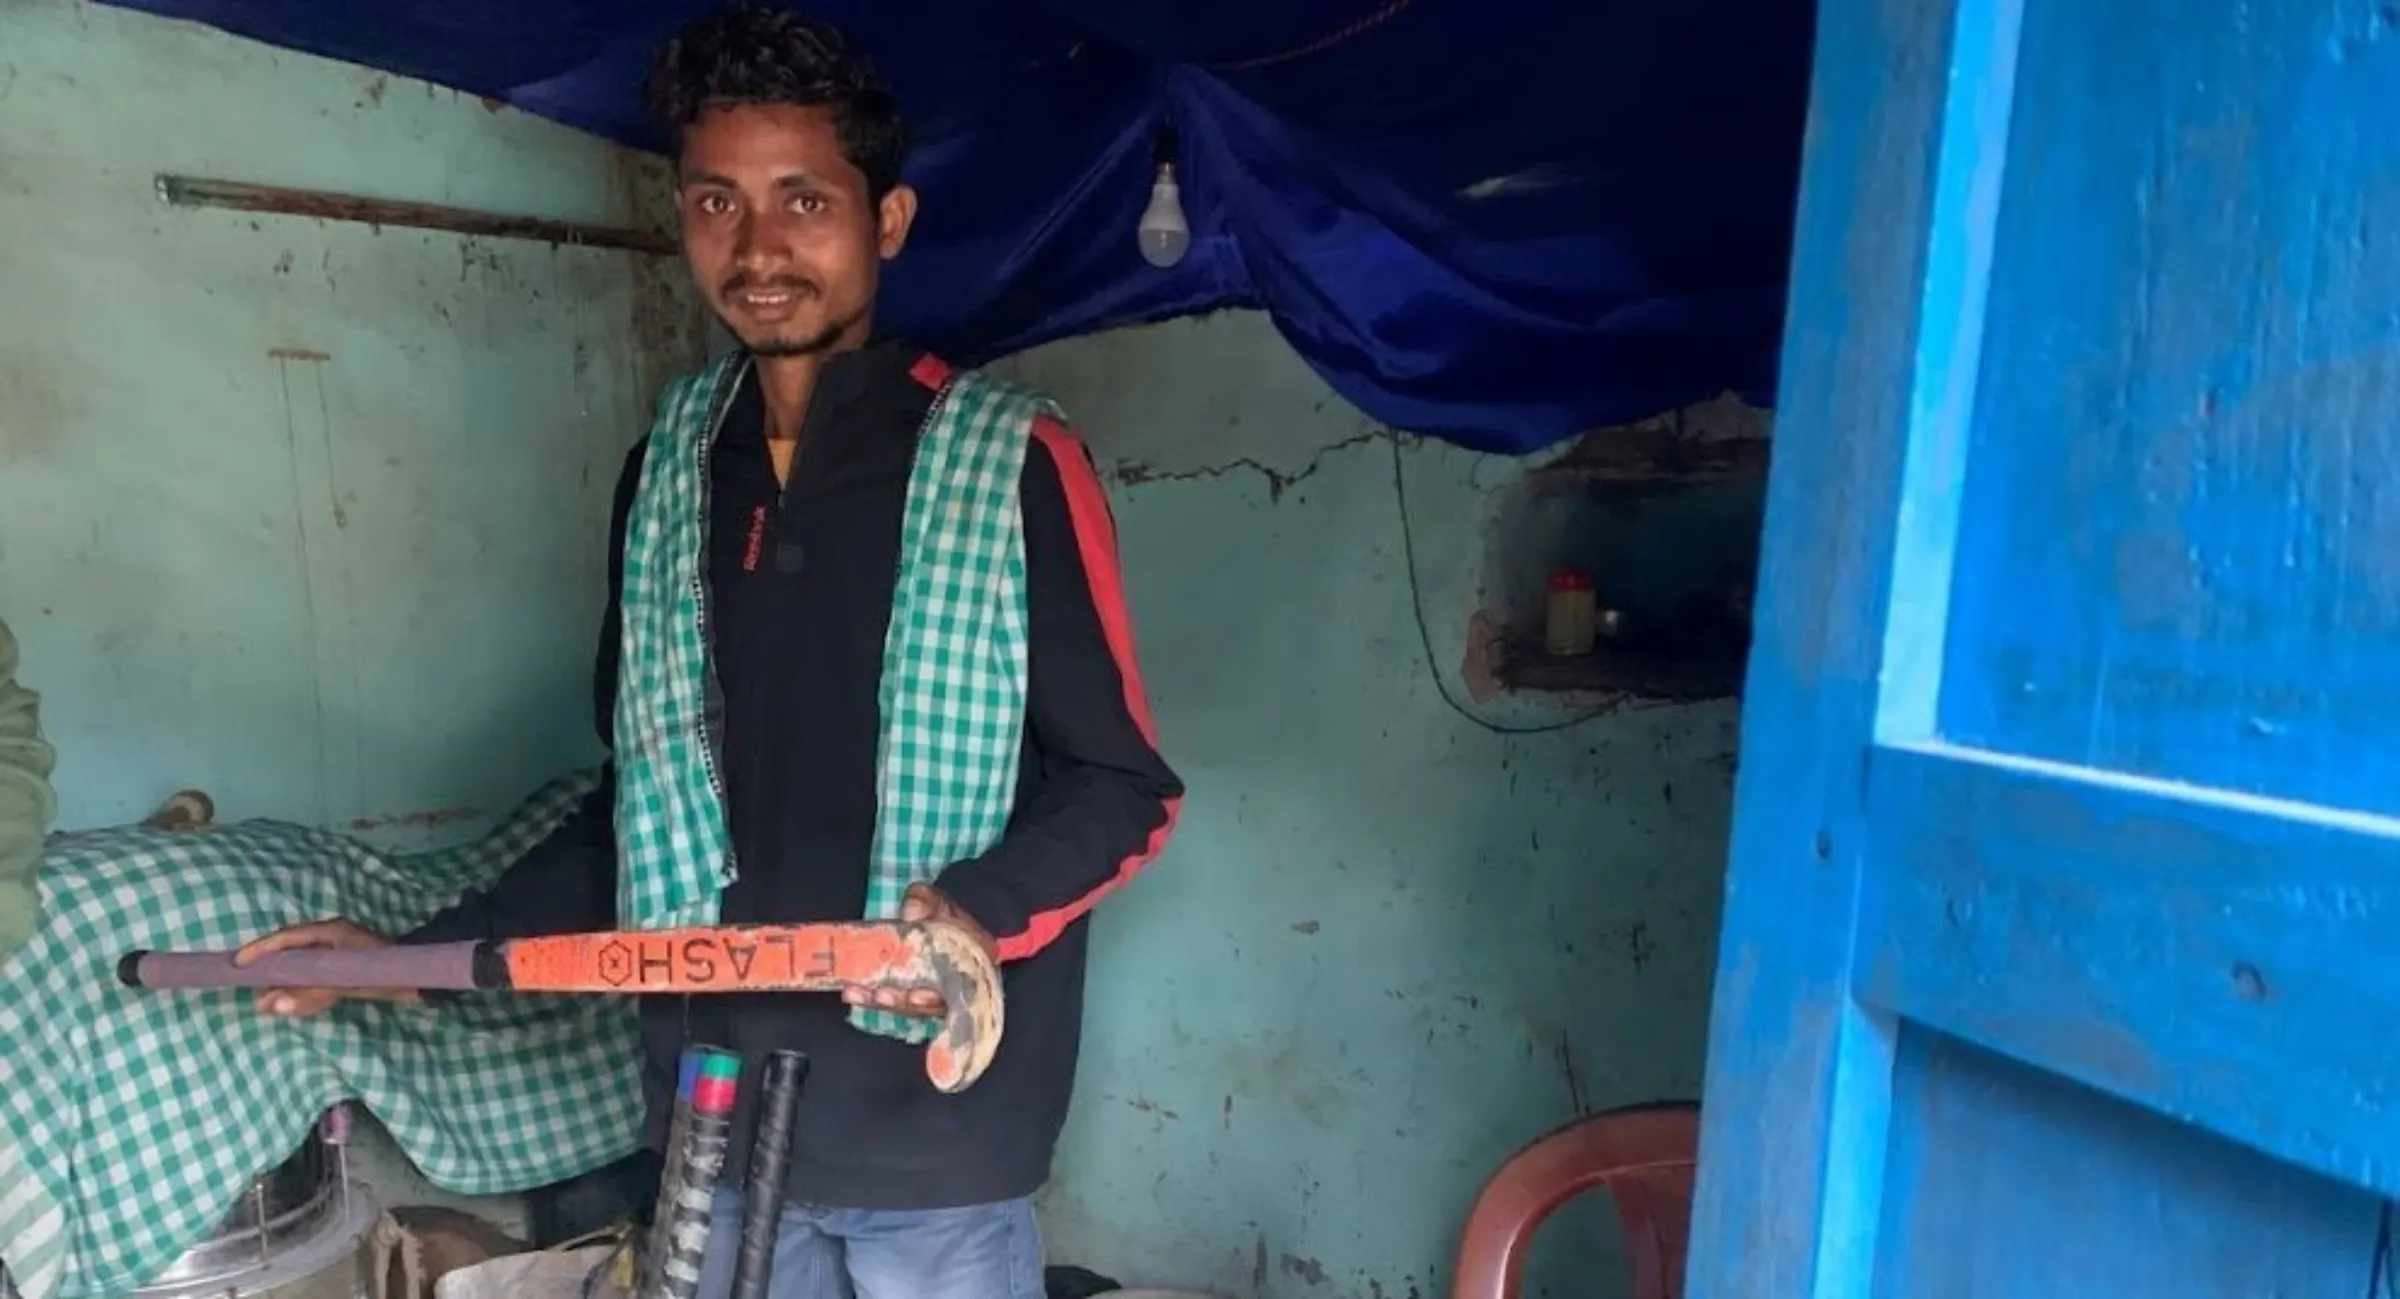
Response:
column 827, row 957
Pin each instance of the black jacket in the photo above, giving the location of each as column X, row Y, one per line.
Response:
column 799, row 595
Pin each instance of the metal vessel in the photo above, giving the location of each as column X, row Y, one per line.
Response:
column 300, row 1231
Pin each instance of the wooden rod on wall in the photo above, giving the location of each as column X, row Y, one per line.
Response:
column 193, row 191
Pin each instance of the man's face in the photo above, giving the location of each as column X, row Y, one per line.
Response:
column 781, row 235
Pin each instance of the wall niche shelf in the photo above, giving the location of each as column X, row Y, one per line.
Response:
column 1607, row 670
column 1666, row 527
column 1653, row 456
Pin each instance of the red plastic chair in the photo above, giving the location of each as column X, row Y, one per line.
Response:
column 1644, row 1155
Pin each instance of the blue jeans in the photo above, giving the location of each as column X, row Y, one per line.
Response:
column 984, row 1251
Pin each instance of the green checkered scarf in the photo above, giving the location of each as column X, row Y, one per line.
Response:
column 130, row 1121
column 952, row 694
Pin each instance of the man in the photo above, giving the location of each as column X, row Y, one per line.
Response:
column 866, row 651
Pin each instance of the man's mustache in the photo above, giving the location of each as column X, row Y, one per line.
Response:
column 744, row 282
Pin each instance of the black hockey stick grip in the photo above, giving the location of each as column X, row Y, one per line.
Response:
column 770, row 1163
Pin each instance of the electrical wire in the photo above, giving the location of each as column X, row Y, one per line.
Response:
column 1351, row 32
column 1433, row 663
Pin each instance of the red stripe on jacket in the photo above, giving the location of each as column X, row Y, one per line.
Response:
column 1096, row 542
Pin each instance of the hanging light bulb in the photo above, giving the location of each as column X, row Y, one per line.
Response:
column 1164, row 236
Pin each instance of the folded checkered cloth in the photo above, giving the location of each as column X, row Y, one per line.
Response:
column 131, row 1121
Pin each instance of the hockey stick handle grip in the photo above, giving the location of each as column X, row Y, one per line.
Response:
column 458, row 967
column 770, row 1166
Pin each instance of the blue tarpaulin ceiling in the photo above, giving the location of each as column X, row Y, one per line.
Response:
column 1500, row 222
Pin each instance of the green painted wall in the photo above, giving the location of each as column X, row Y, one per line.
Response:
column 1387, row 946
column 307, row 514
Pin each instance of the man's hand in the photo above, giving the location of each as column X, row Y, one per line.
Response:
column 322, row 935
column 924, row 903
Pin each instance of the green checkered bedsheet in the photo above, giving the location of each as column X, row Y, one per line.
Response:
column 130, row 1121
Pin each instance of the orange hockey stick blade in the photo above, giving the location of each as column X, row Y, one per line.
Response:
column 827, row 957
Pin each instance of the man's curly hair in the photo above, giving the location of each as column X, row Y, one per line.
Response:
column 760, row 54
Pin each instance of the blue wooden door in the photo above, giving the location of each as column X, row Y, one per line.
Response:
column 2062, row 946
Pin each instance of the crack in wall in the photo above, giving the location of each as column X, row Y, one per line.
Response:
column 1134, row 473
